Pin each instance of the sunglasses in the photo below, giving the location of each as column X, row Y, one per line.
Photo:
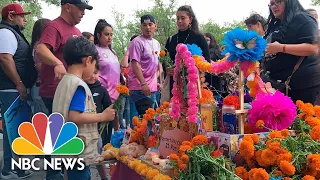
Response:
column 275, row 3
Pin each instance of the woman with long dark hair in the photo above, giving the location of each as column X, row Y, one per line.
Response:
column 109, row 63
column 292, row 34
column 215, row 82
column 38, row 104
column 188, row 33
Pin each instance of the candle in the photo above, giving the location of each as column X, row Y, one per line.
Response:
column 162, row 162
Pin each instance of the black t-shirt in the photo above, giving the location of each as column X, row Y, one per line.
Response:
column 193, row 38
column 302, row 29
column 186, row 37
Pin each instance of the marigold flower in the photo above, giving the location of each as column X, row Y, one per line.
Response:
column 314, row 161
column 248, row 138
column 307, row 177
column 199, row 140
column 268, row 157
column 278, row 173
column 182, row 166
column 185, row 148
column 284, row 157
column 308, row 109
column 151, row 174
column 287, row 168
column 188, row 143
column 251, row 163
column 174, row 157
column 312, row 121
column 135, row 120
column 315, row 133
column 255, row 138
column 285, row 132
column 162, row 53
column 317, row 111
column 299, row 104
column 242, row 173
column 246, row 149
column 259, row 160
column 275, row 134
column 184, row 158
column 252, row 172
column 260, row 124
column 261, row 174
column 286, row 178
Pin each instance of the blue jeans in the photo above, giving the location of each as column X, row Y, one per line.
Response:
column 38, row 104
column 75, row 174
column 124, row 113
column 6, row 99
column 133, row 110
column 143, row 102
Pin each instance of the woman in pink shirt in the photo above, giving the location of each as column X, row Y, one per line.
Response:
column 109, row 63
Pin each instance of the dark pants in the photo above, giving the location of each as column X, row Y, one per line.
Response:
column 51, row 174
column 308, row 95
column 107, row 132
column 6, row 99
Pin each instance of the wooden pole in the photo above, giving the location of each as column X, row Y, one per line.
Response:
column 241, row 99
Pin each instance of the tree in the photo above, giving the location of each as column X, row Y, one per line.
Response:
column 164, row 16
column 316, row 2
column 32, row 6
column 219, row 31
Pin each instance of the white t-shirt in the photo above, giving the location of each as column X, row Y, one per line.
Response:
column 9, row 43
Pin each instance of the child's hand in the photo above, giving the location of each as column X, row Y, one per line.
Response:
column 109, row 113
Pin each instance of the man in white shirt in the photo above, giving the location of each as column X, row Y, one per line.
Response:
column 17, row 73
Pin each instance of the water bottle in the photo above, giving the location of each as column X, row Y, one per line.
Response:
column 229, row 119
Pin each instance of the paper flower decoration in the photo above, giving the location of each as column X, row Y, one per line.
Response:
column 277, row 110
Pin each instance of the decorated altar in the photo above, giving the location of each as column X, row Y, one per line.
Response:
column 194, row 137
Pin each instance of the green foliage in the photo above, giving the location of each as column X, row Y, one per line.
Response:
column 32, row 6
column 219, row 31
column 316, row 2
column 203, row 166
column 166, row 25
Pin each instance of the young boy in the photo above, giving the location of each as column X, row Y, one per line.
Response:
column 102, row 100
column 73, row 99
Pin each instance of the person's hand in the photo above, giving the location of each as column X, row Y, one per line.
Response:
column 59, row 71
column 170, row 70
column 145, row 90
column 274, row 48
column 22, row 91
column 159, row 86
column 109, row 113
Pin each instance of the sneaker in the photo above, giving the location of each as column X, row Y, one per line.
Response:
column 23, row 174
column 9, row 175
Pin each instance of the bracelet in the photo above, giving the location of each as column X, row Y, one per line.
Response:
column 284, row 49
column 143, row 84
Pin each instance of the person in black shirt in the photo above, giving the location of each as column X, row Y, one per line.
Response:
column 188, row 33
column 293, row 33
column 216, row 83
column 257, row 23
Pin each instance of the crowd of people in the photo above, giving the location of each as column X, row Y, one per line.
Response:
column 76, row 74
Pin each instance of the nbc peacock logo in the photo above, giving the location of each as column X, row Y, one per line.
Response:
column 48, row 136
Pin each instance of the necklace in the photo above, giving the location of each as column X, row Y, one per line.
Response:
column 184, row 40
column 151, row 46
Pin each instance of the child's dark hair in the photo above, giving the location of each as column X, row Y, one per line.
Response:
column 99, row 29
column 77, row 48
column 253, row 19
column 97, row 66
column 87, row 35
